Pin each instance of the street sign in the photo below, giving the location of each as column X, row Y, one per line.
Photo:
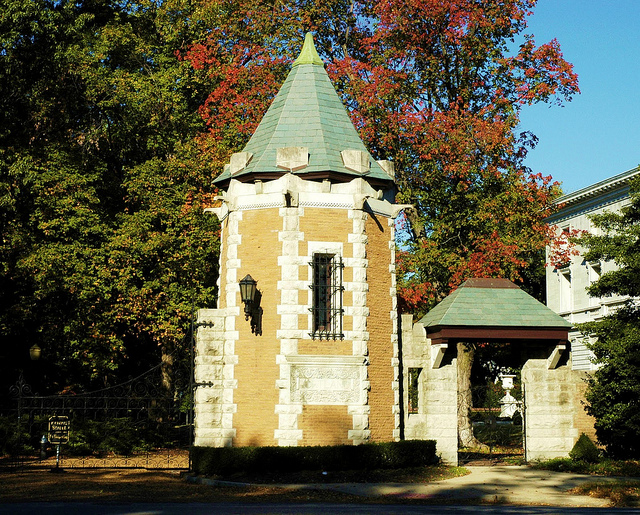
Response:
column 58, row 430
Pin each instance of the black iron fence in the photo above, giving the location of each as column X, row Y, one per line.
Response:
column 496, row 415
column 142, row 423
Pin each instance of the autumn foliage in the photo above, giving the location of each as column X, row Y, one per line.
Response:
column 118, row 115
column 435, row 85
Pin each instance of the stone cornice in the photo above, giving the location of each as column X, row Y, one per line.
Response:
column 292, row 191
column 593, row 197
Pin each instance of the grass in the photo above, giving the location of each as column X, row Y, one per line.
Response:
column 134, row 485
column 619, row 493
column 109, row 485
column 623, row 493
column 608, row 468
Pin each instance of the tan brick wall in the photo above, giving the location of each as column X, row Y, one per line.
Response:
column 324, row 347
column 379, row 324
column 332, row 225
column 256, row 371
column 325, row 425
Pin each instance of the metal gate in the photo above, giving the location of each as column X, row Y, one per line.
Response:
column 497, row 417
column 136, row 424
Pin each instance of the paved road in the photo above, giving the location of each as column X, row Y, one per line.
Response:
column 285, row 509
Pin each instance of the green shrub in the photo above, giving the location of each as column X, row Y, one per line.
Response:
column 585, row 450
column 122, row 435
column 603, row 468
column 226, row 461
column 13, row 439
column 562, row 465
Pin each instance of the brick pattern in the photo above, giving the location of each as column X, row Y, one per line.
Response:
column 275, row 245
column 256, row 370
column 209, row 368
column 230, row 238
column 322, row 347
column 290, row 310
column 308, row 227
column 382, row 400
column 553, row 409
column 583, row 421
column 325, row 425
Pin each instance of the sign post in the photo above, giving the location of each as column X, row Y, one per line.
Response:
column 58, row 434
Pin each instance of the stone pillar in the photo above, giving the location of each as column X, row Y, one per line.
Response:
column 213, row 398
column 552, row 409
column 437, row 416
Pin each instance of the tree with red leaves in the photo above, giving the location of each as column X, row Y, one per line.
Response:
column 435, row 85
column 441, row 91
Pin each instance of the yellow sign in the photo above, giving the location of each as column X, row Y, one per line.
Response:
column 59, row 430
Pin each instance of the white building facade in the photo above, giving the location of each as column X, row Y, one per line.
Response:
column 566, row 285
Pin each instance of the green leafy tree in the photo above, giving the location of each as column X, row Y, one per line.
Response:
column 104, row 249
column 104, row 115
column 613, row 394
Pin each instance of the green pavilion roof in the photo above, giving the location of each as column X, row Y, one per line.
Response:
column 308, row 113
column 492, row 303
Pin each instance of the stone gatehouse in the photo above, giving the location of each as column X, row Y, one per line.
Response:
column 305, row 346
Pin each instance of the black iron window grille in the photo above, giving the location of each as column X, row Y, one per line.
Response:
column 326, row 291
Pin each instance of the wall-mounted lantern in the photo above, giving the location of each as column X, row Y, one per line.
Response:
column 251, row 297
column 248, row 294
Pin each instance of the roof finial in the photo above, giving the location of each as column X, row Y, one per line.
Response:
column 308, row 54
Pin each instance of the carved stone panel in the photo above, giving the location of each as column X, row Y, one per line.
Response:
column 326, row 384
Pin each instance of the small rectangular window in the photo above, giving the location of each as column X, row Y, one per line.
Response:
column 566, row 299
column 413, row 393
column 326, row 288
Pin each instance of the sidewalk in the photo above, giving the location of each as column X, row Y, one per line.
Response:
column 500, row 484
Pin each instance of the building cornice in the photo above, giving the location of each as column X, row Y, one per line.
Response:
column 595, row 196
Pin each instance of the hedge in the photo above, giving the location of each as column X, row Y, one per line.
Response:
column 224, row 461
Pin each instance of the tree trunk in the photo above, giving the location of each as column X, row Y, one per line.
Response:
column 466, row 353
column 167, row 367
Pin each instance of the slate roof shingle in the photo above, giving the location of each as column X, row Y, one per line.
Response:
column 307, row 112
column 492, row 303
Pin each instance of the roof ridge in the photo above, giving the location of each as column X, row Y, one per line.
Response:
column 485, row 307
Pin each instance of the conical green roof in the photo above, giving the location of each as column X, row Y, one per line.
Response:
column 307, row 113
column 492, row 303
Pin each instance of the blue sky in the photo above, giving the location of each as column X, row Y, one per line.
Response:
column 597, row 135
